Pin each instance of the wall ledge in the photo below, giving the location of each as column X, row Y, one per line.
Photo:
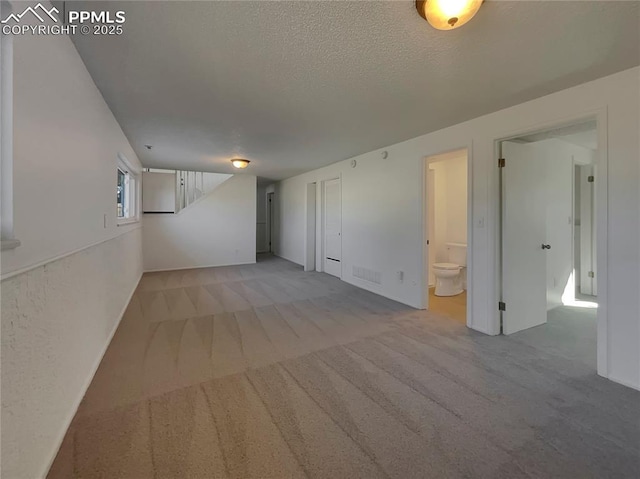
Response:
column 25, row 269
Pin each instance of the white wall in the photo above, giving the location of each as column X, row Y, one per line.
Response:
column 382, row 210
column 450, row 203
column 58, row 316
column 219, row 229
column 159, row 192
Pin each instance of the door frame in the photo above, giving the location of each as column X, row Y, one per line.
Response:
column 270, row 196
column 310, row 227
column 320, row 222
column 424, row 280
column 601, row 208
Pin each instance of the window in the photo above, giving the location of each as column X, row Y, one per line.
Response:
column 126, row 193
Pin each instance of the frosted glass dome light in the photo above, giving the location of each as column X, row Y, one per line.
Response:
column 447, row 14
column 240, row 163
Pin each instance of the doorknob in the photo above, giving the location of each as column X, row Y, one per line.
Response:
column 546, row 246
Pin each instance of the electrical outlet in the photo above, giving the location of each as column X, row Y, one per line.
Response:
column 400, row 275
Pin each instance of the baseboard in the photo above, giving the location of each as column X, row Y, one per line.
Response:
column 288, row 259
column 87, row 383
column 624, row 382
column 379, row 293
column 160, row 270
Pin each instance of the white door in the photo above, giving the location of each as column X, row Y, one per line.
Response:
column 588, row 283
column 431, row 224
column 523, row 235
column 332, row 228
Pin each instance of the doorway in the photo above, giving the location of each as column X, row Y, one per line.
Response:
column 270, row 222
column 310, row 229
column 549, row 238
column 446, row 220
column 332, row 227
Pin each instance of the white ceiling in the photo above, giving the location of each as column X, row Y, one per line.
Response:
column 293, row 86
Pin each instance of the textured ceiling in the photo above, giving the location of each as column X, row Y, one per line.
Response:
column 293, row 86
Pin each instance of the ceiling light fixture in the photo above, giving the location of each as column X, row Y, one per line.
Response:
column 447, row 14
column 240, row 163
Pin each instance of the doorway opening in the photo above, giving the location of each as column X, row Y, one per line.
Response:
column 331, row 224
column 310, row 229
column 447, row 233
column 270, row 222
column 549, row 239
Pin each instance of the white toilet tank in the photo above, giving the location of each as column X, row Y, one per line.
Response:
column 457, row 253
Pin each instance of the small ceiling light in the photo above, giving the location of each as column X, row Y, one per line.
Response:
column 447, row 14
column 240, row 163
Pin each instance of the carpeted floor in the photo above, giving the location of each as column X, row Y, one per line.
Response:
column 264, row 371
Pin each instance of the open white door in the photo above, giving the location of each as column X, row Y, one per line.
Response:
column 523, row 235
column 332, row 228
column 431, row 224
column 587, row 231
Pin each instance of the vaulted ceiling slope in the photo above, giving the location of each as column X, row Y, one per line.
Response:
column 297, row 85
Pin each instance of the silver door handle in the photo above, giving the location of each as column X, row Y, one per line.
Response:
column 546, row 246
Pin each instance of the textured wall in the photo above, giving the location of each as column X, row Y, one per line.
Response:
column 57, row 320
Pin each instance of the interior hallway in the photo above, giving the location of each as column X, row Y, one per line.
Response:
column 264, row 371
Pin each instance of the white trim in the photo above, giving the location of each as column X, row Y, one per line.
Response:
column 6, row 137
column 88, row 381
column 310, row 226
column 25, row 269
column 624, row 382
column 320, row 239
column 602, row 223
column 135, row 174
column 199, row 267
column 367, row 287
column 128, row 165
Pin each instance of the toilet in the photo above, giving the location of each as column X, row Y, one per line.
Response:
column 449, row 275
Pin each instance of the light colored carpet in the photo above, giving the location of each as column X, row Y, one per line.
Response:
column 264, row 371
